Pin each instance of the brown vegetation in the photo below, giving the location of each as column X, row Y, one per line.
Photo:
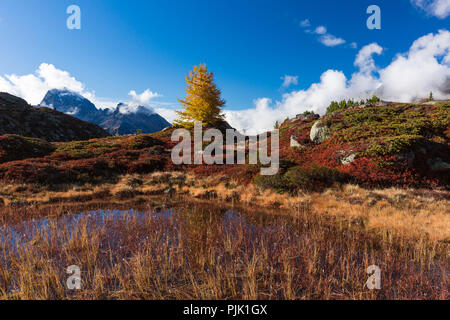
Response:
column 207, row 252
column 407, row 212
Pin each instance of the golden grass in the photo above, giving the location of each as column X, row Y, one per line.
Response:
column 205, row 253
column 407, row 212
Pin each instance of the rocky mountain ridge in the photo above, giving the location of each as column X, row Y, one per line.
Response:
column 117, row 121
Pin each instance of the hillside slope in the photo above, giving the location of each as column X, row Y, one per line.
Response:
column 401, row 144
column 375, row 146
column 18, row 117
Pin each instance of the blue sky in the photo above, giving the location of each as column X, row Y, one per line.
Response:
column 249, row 45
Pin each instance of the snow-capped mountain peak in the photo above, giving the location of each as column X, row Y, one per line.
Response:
column 126, row 118
column 69, row 102
column 125, row 108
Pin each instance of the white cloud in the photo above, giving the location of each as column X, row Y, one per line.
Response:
column 33, row 87
column 142, row 99
column 168, row 114
column 325, row 38
column 320, row 30
column 423, row 69
column 139, row 100
column 437, row 8
column 255, row 120
column 353, row 45
column 331, row 41
column 289, row 80
column 364, row 59
column 305, row 23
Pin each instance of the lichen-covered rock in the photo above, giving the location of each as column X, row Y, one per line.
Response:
column 319, row 132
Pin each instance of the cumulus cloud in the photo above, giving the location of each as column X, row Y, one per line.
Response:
column 410, row 76
column 139, row 100
column 33, row 87
column 425, row 68
column 289, row 80
column 142, row 99
column 256, row 120
column 364, row 59
column 437, row 8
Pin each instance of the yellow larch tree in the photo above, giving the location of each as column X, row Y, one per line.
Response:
column 203, row 102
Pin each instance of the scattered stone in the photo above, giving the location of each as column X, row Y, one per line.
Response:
column 307, row 116
column 319, row 132
column 348, row 159
column 381, row 104
column 295, row 143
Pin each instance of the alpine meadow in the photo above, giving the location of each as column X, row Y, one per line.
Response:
column 224, row 159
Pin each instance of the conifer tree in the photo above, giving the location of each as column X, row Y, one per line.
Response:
column 203, row 102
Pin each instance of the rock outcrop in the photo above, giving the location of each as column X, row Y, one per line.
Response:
column 319, row 132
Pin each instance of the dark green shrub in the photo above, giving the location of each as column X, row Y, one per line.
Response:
column 314, row 178
column 342, row 105
column 311, row 179
column 143, row 141
column 373, row 100
column 394, row 145
column 274, row 182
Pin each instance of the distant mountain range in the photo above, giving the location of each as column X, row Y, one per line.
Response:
column 18, row 117
column 124, row 119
